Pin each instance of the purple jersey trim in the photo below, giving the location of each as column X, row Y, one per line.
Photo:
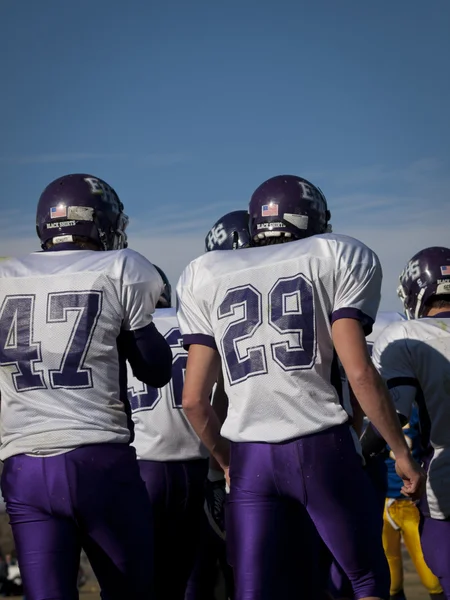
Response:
column 354, row 313
column 441, row 315
column 398, row 381
column 199, row 338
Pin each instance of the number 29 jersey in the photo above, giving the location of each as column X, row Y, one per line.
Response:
column 61, row 377
column 161, row 429
column 268, row 311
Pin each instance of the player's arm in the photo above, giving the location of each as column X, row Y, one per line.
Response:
column 202, row 371
column 149, row 355
column 367, row 385
column 203, row 365
column 358, row 413
column 357, row 297
column 391, row 359
column 144, row 347
column 220, row 405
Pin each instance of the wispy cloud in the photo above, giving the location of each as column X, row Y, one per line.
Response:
column 164, row 220
column 61, row 157
column 378, row 174
column 156, row 159
column 152, row 160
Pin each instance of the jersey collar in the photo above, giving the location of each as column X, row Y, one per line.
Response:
column 64, row 246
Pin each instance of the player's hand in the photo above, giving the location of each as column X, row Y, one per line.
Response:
column 413, row 476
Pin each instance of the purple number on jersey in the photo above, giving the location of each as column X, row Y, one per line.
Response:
column 291, row 302
column 291, row 313
column 150, row 397
column 18, row 347
column 175, row 340
column 254, row 362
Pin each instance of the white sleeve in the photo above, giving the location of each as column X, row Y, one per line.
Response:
column 390, row 356
column 141, row 289
column 358, row 284
column 192, row 313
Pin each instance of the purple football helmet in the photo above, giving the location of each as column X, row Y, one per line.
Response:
column 83, row 206
column 165, row 300
column 426, row 274
column 287, row 206
column 230, row 232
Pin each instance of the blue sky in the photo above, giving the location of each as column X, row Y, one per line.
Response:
column 186, row 107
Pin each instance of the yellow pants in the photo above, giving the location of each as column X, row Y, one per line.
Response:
column 401, row 519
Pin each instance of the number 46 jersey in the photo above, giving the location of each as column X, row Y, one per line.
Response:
column 161, row 430
column 268, row 311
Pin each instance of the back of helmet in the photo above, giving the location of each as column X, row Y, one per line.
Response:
column 230, row 232
column 426, row 276
column 287, row 207
column 81, row 207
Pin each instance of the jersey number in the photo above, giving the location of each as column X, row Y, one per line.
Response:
column 290, row 312
column 149, row 397
column 20, row 349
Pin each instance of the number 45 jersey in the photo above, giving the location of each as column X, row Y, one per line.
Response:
column 161, row 430
column 269, row 312
column 61, row 376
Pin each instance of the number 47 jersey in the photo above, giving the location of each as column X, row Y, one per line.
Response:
column 60, row 371
column 268, row 311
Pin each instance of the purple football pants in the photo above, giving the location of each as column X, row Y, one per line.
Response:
column 340, row 586
column 92, row 498
column 176, row 491
column 435, row 541
column 276, row 490
column 210, row 558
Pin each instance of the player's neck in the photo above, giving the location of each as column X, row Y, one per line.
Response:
column 437, row 311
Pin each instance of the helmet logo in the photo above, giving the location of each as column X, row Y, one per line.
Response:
column 412, row 270
column 101, row 188
column 269, row 210
column 216, row 236
column 58, row 212
column 445, row 270
column 306, row 190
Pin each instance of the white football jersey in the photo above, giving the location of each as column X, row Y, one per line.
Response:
column 269, row 311
column 60, row 315
column 384, row 318
column 162, row 431
column 414, row 359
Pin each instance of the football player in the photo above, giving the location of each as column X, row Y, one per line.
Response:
column 172, row 461
column 274, row 315
column 70, row 317
column 401, row 520
column 230, row 232
column 374, row 464
column 414, row 358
